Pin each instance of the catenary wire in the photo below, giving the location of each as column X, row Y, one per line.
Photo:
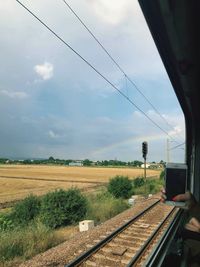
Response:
column 119, row 67
column 100, row 74
column 177, row 146
column 126, row 86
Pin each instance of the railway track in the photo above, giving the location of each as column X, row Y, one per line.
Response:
column 131, row 244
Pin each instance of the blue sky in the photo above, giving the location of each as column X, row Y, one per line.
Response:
column 53, row 104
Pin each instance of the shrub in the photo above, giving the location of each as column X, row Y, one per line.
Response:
column 6, row 222
column 104, row 206
column 26, row 210
column 63, row 207
column 138, row 182
column 120, row 186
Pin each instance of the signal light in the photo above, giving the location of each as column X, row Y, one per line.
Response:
column 144, row 149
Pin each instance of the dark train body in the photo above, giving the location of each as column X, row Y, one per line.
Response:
column 175, row 27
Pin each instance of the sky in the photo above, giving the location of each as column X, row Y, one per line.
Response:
column 53, row 104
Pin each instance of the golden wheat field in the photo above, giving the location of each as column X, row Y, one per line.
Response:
column 18, row 181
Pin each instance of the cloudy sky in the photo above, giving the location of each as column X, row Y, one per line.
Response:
column 53, row 104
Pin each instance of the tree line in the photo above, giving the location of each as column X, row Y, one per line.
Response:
column 85, row 162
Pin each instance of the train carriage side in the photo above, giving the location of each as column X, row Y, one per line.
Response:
column 175, row 27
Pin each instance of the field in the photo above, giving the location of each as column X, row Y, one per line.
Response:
column 18, row 181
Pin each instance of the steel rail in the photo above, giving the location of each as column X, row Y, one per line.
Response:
column 83, row 257
column 141, row 251
column 158, row 254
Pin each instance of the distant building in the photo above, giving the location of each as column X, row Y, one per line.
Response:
column 152, row 166
column 147, row 165
column 76, row 163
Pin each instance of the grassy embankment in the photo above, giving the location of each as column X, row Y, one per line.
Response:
column 23, row 242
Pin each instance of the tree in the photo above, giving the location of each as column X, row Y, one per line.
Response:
column 137, row 163
column 27, row 161
column 162, row 162
column 87, row 162
column 120, row 186
column 105, row 162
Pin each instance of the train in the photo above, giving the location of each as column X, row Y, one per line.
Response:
column 175, row 28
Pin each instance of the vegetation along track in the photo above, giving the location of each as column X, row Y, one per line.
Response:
column 130, row 244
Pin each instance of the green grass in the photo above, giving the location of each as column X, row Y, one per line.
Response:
column 25, row 242
column 104, row 206
column 152, row 186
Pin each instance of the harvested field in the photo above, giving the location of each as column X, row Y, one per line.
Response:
column 17, row 181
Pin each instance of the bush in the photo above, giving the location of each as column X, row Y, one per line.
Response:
column 63, row 207
column 138, row 182
column 26, row 210
column 6, row 222
column 104, row 206
column 120, row 186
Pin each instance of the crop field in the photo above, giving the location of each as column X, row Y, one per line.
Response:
column 18, row 181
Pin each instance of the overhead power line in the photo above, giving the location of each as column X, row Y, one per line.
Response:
column 97, row 71
column 118, row 66
column 126, row 86
column 177, row 146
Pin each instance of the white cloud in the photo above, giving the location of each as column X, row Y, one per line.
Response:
column 19, row 94
column 177, row 131
column 52, row 134
column 112, row 11
column 173, row 124
column 45, row 71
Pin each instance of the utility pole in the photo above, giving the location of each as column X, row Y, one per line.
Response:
column 144, row 152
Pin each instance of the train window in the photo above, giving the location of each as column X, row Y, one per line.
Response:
column 91, row 110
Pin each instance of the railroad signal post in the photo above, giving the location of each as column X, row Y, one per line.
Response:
column 144, row 154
